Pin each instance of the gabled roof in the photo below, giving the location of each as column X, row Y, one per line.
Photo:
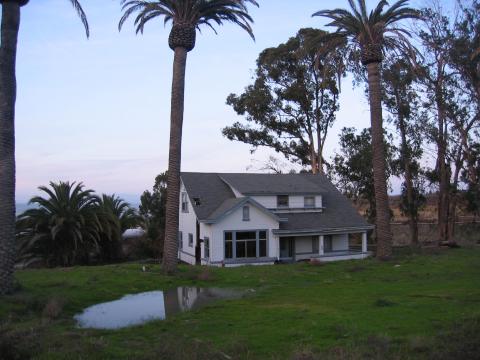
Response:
column 230, row 205
column 209, row 189
column 216, row 198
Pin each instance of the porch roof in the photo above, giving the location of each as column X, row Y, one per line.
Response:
column 337, row 218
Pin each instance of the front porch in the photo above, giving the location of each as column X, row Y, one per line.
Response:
column 324, row 247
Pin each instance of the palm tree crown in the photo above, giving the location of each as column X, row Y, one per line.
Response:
column 373, row 32
column 63, row 226
column 188, row 15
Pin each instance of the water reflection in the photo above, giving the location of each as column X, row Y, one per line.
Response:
column 140, row 308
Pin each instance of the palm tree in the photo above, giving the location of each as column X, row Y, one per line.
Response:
column 374, row 33
column 8, row 53
column 115, row 216
column 186, row 16
column 63, row 228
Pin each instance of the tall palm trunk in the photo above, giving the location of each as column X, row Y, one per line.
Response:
column 384, row 234
column 174, row 160
column 8, row 94
column 9, row 34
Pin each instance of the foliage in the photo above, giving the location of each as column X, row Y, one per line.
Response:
column 450, row 93
column 71, row 225
column 293, row 101
column 153, row 211
column 324, row 308
column 194, row 12
column 403, row 103
column 380, row 27
column 115, row 216
column 352, row 170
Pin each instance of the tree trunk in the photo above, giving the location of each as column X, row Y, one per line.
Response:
column 406, row 163
column 170, row 250
column 8, row 94
column 442, row 168
column 384, row 234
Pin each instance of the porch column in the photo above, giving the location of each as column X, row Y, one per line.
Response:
column 364, row 242
column 320, row 247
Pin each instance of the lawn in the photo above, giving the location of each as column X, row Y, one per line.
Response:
column 415, row 306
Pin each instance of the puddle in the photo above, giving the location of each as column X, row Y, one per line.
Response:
column 140, row 308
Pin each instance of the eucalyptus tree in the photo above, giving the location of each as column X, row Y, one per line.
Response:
column 403, row 103
column 293, row 101
column 440, row 89
column 8, row 93
column 374, row 34
column 352, row 170
column 63, row 226
column 186, row 17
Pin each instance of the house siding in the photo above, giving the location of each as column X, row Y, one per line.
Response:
column 258, row 221
column 187, row 225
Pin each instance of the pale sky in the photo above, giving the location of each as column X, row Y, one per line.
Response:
column 98, row 110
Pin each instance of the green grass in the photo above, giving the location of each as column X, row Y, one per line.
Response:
column 348, row 309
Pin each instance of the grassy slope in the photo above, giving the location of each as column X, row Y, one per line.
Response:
column 293, row 307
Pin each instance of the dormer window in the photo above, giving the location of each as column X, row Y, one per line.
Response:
column 309, row 201
column 184, row 202
column 282, row 201
column 246, row 213
column 196, row 201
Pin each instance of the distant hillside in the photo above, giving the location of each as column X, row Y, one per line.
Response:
column 22, row 207
column 427, row 214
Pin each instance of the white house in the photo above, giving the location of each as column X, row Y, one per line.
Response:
column 238, row 219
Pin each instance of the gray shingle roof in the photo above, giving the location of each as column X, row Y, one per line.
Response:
column 216, row 197
column 273, row 184
column 209, row 188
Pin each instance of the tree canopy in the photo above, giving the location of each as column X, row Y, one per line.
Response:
column 293, row 101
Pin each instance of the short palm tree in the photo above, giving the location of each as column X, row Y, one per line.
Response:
column 64, row 226
column 8, row 54
column 375, row 33
column 115, row 216
column 186, row 16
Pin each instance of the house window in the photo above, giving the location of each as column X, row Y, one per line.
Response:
column 206, row 247
column 262, row 243
column 190, row 240
column 228, row 245
column 184, row 202
column 180, row 240
column 282, row 201
column 245, row 244
column 246, row 213
column 315, row 248
column 309, row 201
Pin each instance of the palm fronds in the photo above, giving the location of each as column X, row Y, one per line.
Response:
column 380, row 26
column 81, row 14
column 191, row 12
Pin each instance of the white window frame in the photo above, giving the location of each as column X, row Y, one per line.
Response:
column 246, row 213
column 184, row 202
column 190, row 239
column 283, row 206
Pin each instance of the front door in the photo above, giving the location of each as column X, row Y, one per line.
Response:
column 286, row 248
column 327, row 243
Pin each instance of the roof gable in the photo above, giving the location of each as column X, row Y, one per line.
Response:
column 229, row 206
